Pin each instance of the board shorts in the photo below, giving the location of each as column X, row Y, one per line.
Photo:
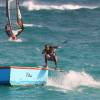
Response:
column 51, row 57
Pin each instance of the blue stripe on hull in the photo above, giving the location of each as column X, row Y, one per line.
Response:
column 4, row 76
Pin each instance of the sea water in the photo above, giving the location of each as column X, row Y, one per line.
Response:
column 74, row 26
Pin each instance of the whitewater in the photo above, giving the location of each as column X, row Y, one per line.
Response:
column 72, row 80
column 35, row 6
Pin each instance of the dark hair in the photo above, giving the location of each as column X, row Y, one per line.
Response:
column 50, row 47
column 46, row 45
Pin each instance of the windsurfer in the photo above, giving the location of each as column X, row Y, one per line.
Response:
column 12, row 34
column 50, row 55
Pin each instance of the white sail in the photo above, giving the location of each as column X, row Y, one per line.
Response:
column 19, row 16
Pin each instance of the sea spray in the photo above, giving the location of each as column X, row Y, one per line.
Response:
column 72, row 79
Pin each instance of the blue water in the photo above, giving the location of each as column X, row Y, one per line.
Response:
column 74, row 25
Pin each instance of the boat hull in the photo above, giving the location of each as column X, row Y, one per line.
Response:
column 16, row 75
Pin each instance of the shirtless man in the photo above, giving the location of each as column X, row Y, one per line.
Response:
column 12, row 34
column 50, row 55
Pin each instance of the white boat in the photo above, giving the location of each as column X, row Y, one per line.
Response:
column 17, row 75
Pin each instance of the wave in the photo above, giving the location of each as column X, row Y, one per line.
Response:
column 31, row 5
column 72, row 80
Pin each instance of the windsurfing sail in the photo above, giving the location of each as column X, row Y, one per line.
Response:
column 19, row 16
column 9, row 28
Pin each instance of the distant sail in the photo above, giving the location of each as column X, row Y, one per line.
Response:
column 9, row 28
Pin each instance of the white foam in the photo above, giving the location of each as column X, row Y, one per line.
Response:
column 31, row 5
column 32, row 25
column 72, row 80
column 17, row 40
column 28, row 25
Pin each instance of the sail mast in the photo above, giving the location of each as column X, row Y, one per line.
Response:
column 8, row 11
column 8, row 25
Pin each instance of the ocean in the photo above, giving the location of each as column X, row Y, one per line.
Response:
column 74, row 26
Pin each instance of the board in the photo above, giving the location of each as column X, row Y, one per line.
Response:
column 53, row 69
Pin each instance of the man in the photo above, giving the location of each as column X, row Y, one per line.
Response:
column 15, row 34
column 11, row 33
column 50, row 55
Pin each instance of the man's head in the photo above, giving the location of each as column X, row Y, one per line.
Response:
column 47, row 47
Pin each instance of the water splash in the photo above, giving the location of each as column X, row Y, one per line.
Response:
column 17, row 40
column 31, row 5
column 73, row 80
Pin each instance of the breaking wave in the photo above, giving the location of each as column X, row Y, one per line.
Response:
column 72, row 79
column 31, row 5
